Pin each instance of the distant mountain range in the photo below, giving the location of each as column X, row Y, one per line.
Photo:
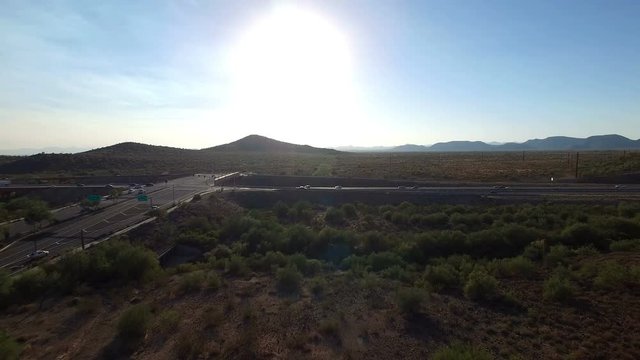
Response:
column 129, row 156
column 553, row 143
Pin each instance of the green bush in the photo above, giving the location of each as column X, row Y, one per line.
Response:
column 410, row 300
column 349, row 211
column 461, row 352
column 513, row 267
column 9, row 348
column 288, row 280
column 190, row 344
column 318, row 286
column 612, row 275
column 557, row 255
column 192, row 282
column 334, row 216
column 442, row 276
column 481, row 286
column 558, row 287
column 384, row 260
column 167, row 322
column 213, row 281
column 307, row 267
column 580, row 234
column 134, row 322
column 237, row 265
column 625, row 245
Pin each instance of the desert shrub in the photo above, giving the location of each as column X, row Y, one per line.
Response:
column 442, row 276
column 134, row 322
column 167, row 322
column 281, row 210
column 628, row 209
column 31, row 284
column 558, row 254
column 580, row 234
column 318, row 286
column 192, row 282
column 9, row 348
column 612, row 275
column 298, row 239
column 513, row 267
column 186, row 268
column 273, row 258
column 444, row 243
column 288, row 279
column 399, row 219
column 480, row 285
column 307, row 267
column 190, row 344
column 465, row 222
column 373, row 241
column 461, row 352
column 397, row 272
column 586, row 250
column 435, row 221
column 331, row 245
column 534, row 251
column 613, row 227
column 334, row 216
column 625, row 245
column 384, row 260
column 237, row 265
column 213, row 280
column 349, row 211
column 410, row 300
column 558, row 287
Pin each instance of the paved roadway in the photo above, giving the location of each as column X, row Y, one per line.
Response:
column 128, row 211
column 517, row 190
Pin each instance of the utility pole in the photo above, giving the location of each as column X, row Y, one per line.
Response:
column 523, row 155
column 173, row 191
column 82, row 238
column 577, row 157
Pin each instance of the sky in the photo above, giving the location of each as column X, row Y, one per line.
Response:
column 194, row 74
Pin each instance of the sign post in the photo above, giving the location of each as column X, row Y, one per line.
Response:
column 143, row 197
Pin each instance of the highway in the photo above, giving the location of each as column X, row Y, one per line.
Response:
column 60, row 238
column 128, row 211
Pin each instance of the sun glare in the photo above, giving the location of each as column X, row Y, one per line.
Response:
column 292, row 67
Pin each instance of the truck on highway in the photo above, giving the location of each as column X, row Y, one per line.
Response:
column 5, row 182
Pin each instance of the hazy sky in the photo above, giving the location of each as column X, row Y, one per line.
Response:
column 327, row 73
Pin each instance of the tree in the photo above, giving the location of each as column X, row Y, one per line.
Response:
column 115, row 194
column 37, row 212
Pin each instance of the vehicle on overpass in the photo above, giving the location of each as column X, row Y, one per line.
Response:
column 5, row 182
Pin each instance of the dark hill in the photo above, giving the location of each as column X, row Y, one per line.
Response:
column 126, row 149
column 257, row 143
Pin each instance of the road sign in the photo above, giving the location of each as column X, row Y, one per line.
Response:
column 143, row 197
column 94, row 198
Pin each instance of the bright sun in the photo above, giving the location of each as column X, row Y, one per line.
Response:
column 292, row 67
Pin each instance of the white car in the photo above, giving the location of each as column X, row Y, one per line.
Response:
column 38, row 254
column 338, row 187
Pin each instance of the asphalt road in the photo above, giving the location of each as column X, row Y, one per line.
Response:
column 128, row 211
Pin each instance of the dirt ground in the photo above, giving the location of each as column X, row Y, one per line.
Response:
column 354, row 318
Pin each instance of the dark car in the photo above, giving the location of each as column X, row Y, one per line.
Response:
column 148, row 184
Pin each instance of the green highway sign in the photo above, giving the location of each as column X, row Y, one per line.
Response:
column 143, row 197
column 94, row 198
